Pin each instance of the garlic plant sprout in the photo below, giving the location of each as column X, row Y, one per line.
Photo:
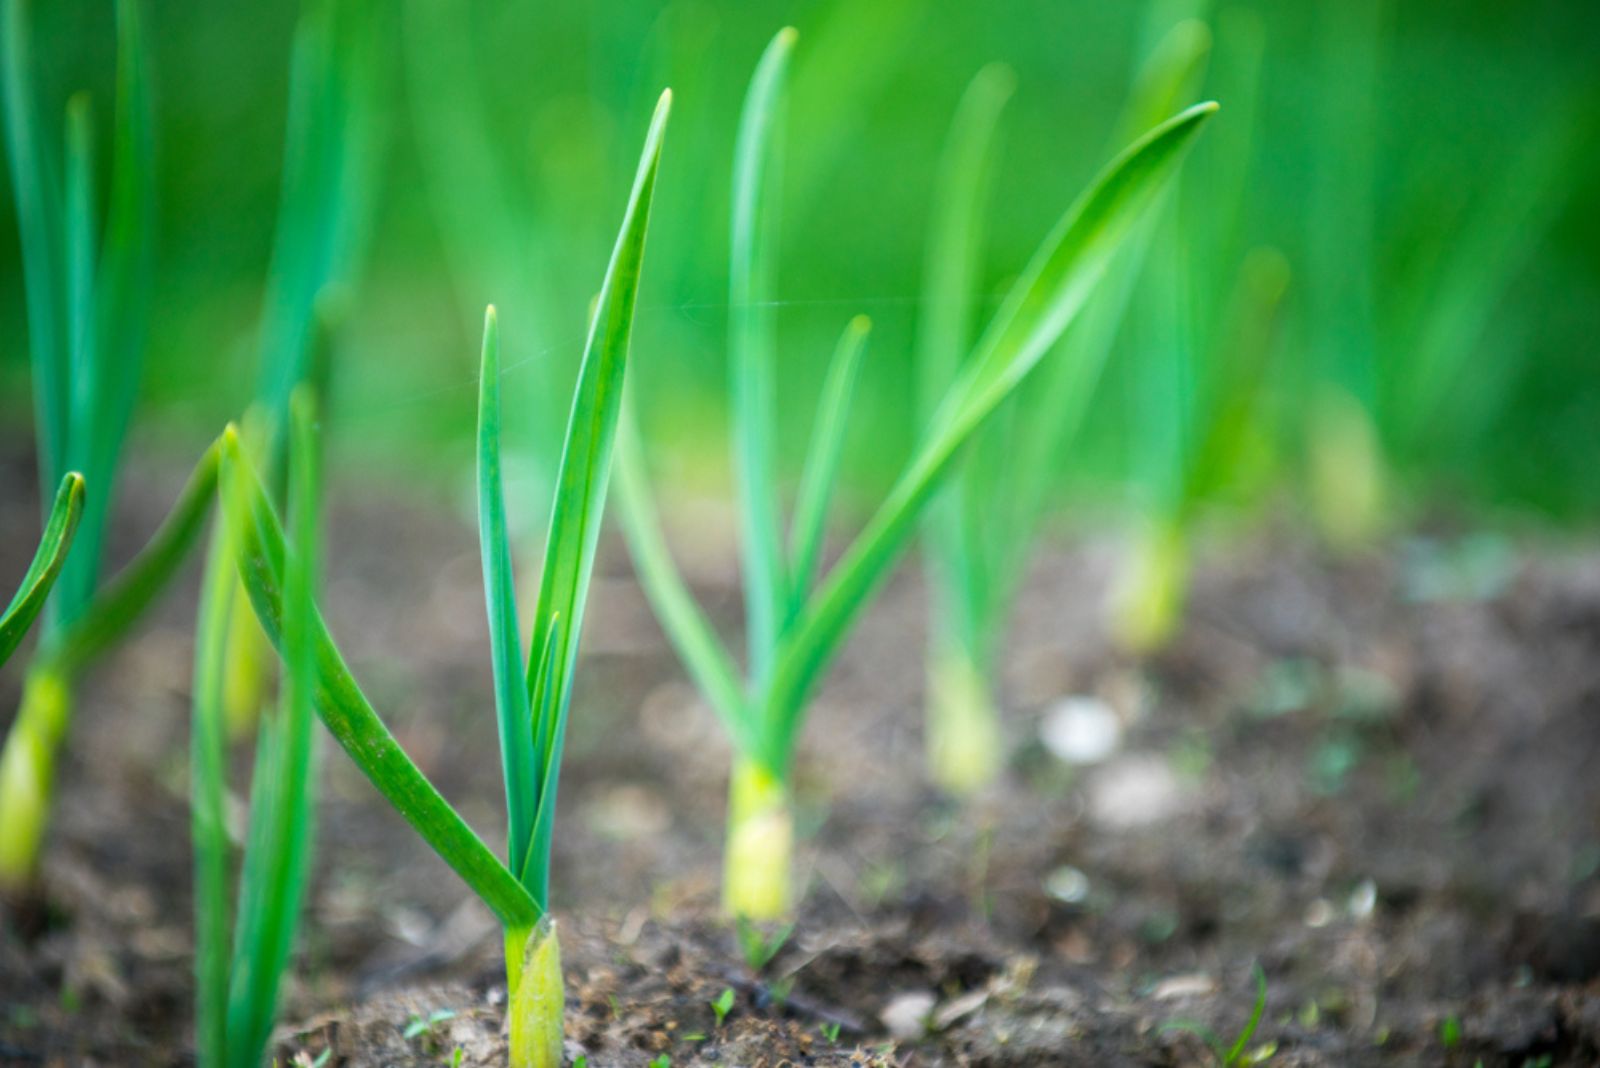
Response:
column 328, row 194
column 981, row 528
column 87, row 296
column 795, row 621
column 532, row 695
column 236, row 993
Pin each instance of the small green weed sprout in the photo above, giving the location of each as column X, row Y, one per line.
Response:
column 1236, row 1054
column 236, row 994
column 419, row 1025
column 796, row 623
column 757, row 945
column 87, row 294
column 722, row 1004
column 532, row 696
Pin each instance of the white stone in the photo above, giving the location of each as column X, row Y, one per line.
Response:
column 1081, row 730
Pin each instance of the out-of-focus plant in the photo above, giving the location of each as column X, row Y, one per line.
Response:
column 532, row 696
column 87, row 297
column 326, row 201
column 982, row 526
column 236, row 994
column 796, row 623
column 1206, row 328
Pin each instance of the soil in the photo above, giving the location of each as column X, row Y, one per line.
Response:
column 1374, row 779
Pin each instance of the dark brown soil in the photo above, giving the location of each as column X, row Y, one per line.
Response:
column 1377, row 779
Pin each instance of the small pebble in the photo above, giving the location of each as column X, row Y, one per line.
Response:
column 1081, row 730
column 1067, row 884
column 1364, row 899
column 906, row 1015
column 1134, row 791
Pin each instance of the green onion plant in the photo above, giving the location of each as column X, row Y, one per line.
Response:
column 87, row 297
column 236, row 991
column 797, row 621
column 982, row 525
column 532, row 695
column 1199, row 353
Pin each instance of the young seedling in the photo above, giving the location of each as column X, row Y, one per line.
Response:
column 758, row 946
column 326, row 200
column 981, row 527
column 86, row 309
column 723, row 1004
column 1207, row 330
column 1235, row 1054
column 794, row 624
column 532, row 696
column 236, row 995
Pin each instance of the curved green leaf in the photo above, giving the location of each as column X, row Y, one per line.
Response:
column 752, row 360
column 505, row 642
column 1040, row 306
column 47, row 561
column 120, row 602
column 258, row 541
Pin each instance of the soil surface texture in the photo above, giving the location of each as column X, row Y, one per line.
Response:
column 1377, row 780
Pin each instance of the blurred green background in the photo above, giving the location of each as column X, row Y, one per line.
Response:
column 1448, row 199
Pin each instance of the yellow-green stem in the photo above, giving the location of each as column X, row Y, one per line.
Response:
column 963, row 724
column 1346, row 470
column 1150, row 603
column 27, row 773
column 245, row 670
column 537, row 998
column 755, row 868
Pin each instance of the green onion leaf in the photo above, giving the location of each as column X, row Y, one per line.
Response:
column 47, row 560
column 505, row 642
column 1039, row 307
column 706, row 658
column 344, row 709
column 751, row 355
column 121, row 601
column 581, row 486
column 277, row 858
column 822, row 461
column 40, row 225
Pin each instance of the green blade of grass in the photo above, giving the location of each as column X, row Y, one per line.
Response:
column 48, row 558
column 512, row 713
column 344, row 709
column 37, row 192
column 821, row 469
column 751, row 354
column 1039, row 307
column 944, row 327
column 585, row 472
column 706, row 658
column 277, row 862
column 121, row 601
